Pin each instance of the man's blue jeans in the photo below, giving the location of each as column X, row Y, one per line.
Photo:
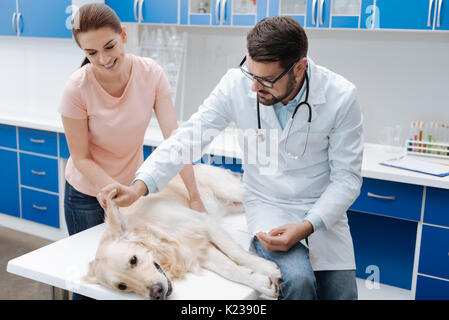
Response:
column 81, row 212
column 300, row 282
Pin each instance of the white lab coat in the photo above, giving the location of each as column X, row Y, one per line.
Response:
column 277, row 189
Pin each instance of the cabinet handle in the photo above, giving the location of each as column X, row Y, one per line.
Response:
column 14, row 28
column 372, row 195
column 38, row 173
column 223, row 11
column 37, row 141
column 313, row 11
column 217, row 8
column 140, row 10
column 135, row 10
column 320, row 12
column 39, row 208
column 19, row 28
column 430, row 11
column 439, row 12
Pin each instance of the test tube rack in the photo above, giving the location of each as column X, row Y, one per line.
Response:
column 427, row 148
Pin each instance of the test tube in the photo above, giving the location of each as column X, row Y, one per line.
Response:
column 429, row 135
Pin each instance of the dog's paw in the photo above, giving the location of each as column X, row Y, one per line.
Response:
column 266, row 285
column 269, row 269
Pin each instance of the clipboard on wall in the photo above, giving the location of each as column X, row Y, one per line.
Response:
column 417, row 165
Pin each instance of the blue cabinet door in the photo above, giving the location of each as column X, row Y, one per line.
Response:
column 160, row 11
column 369, row 15
column 318, row 13
column 295, row 10
column 346, row 14
column 7, row 13
column 400, row 14
column 126, row 10
column 442, row 18
column 248, row 15
column 45, row 18
column 9, row 186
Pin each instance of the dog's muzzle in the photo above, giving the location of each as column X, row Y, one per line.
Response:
column 157, row 289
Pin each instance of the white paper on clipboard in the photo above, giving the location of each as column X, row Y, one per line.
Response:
column 417, row 165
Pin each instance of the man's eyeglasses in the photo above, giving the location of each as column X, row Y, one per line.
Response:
column 262, row 81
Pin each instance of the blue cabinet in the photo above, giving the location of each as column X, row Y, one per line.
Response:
column 442, row 15
column 434, row 258
column 40, row 207
column 428, row 288
column 8, row 136
column 318, row 13
column 44, row 18
column 9, row 186
column 295, row 9
column 391, row 199
column 159, row 11
column 149, row 11
column 222, row 12
column 399, row 14
column 126, row 10
column 8, row 15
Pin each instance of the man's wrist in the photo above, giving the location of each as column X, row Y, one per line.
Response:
column 139, row 187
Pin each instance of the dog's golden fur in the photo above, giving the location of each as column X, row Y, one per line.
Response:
column 159, row 239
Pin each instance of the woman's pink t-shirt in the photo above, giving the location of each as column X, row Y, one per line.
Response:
column 116, row 125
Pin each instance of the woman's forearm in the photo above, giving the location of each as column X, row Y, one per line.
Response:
column 93, row 172
column 188, row 177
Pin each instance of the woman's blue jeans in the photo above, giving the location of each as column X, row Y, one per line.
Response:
column 81, row 212
column 300, row 282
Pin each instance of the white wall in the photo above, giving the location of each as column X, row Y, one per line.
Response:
column 401, row 76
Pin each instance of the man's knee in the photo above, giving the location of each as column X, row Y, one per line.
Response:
column 298, row 285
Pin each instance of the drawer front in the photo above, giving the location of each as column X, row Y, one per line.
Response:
column 39, row 172
column 63, row 147
column 436, row 210
column 391, row 199
column 434, row 253
column 431, row 289
column 8, row 136
column 38, row 141
column 40, row 207
column 9, row 185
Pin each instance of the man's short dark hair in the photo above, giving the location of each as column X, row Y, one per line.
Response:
column 280, row 39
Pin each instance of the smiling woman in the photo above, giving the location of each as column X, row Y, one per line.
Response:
column 106, row 108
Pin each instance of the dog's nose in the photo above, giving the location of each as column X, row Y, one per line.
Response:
column 157, row 291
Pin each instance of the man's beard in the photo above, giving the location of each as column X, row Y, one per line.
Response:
column 291, row 85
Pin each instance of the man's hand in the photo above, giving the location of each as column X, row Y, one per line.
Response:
column 284, row 237
column 125, row 195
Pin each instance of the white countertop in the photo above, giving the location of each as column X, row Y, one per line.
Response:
column 226, row 144
column 63, row 263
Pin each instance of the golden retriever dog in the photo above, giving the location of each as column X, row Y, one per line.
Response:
column 159, row 239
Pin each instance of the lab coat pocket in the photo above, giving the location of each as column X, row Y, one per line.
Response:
column 303, row 149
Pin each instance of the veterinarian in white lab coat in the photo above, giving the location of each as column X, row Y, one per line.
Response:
column 301, row 174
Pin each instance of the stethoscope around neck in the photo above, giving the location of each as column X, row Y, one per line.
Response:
column 261, row 135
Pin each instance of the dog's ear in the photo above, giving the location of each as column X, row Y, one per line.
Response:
column 115, row 222
column 90, row 277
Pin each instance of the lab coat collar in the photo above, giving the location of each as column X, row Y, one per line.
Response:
column 316, row 97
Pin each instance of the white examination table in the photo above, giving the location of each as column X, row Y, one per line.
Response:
column 63, row 263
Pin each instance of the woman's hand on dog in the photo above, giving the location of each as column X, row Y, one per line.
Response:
column 197, row 204
column 124, row 195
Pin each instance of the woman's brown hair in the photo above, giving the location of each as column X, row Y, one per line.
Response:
column 93, row 17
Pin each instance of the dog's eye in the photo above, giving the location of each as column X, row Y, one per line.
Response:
column 133, row 261
column 157, row 266
column 121, row 286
